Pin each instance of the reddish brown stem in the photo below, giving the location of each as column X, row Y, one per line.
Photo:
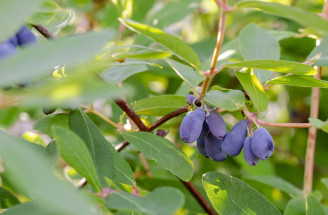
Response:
column 310, row 150
column 193, row 190
column 133, row 116
column 42, row 30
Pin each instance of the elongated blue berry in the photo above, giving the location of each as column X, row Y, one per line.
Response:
column 205, row 130
column 6, row 49
column 190, row 99
column 213, row 148
column 250, row 158
column 201, row 146
column 262, row 144
column 14, row 40
column 216, row 124
column 192, row 125
column 25, row 36
column 234, row 140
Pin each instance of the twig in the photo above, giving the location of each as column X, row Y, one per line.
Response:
column 312, row 136
column 97, row 113
column 42, row 30
column 251, row 116
column 133, row 116
column 216, row 53
column 200, row 199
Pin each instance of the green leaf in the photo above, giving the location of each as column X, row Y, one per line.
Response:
column 119, row 73
column 173, row 43
column 51, row 152
column 13, row 11
column 275, row 66
column 159, row 105
column 185, row 72
column 26, row 168
column 278, row 183
column 163, row 152
column 319, row 124
column 230, row 100
column 7, row 199
column 280, row 35
column 321, row 49
column 75, row 152
column 107, row 160
column 45, row 124
column 295, row 207
column 257, row 44
column 38, row 60
column 313, row 206
column 162, row 201
column 253, row 88
column 138, row 52
column 229, row 195
column 325, row 182
column 303, row 17
column 300, row 81
column 27, row 208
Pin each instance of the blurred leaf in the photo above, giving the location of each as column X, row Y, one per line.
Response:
column 280, row 35
column 313, row 207
column 321, row 49
column 300, row 81
column 15, row 11
column 142, row 54
column 45, row 124
column 51, row 152
column 253, row 88
column 257, row 44
column 319, row 124
column 230, row 100
column 107, row 160
column 26, row 166
column 303, row 17
column 275, row 66
column 325, row 182
column 119, row 73
column 159, row 105
column 278, row 183
column 7, row 199
column 295, row 207
column 75, row 152
column 27, row 208
column 173, row 43
column 162, row 201
column 185, row 72
column 229, row 195
column 163, row 152
column 38, row 60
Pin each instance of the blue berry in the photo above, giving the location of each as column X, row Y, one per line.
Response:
column 205, row 130
column 234, row 140
column 6, row 49
column 250, row 158
column 192, row 125
column 213, row 148
column 14, row 40
column 25, row 36
column 201, row 146
column 262, row 144
column 190, row 99
column 216, row 124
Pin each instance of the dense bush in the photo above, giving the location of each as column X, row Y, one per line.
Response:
column 163, row 107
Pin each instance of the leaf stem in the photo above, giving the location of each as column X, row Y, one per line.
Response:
column 217, row 48
column 251, row 116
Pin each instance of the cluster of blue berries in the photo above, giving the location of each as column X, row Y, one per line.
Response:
column 23, row 37
column 209, row 129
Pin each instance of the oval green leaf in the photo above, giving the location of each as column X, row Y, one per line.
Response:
column 230, row 100
column 173, row 43
column 163, row 152
column 275, row 66
column 299, row 81
column 229, row 195
column 253, row 88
